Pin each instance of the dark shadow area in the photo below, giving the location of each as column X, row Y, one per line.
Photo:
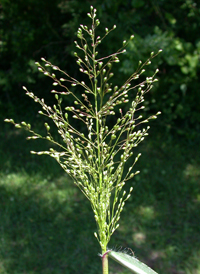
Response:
column 16, row 154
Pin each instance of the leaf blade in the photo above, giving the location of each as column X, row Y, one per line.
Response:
column 131, row 263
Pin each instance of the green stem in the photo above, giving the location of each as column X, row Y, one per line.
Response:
column 96, row 106
column 105, row 262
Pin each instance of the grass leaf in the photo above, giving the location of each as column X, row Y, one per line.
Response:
column 131, row 263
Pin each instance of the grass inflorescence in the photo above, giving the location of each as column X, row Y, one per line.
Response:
column 96, row 158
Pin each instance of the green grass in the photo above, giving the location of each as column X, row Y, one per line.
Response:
column 46, row 224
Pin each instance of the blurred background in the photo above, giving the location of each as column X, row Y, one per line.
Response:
column 46, row 224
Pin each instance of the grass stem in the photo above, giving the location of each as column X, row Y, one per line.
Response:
column 105, row 263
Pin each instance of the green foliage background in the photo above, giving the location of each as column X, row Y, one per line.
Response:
column 40, row 210
column 34, row 29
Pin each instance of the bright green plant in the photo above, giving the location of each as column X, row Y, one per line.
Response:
column 96, row 158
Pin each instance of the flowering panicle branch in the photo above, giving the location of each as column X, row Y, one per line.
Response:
column 96, row 158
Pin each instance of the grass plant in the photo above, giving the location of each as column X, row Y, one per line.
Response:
column 96, row 158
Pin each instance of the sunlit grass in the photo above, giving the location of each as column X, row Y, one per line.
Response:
column 43, row 223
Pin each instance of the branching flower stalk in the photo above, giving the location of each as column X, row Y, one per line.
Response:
column 95, row 159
